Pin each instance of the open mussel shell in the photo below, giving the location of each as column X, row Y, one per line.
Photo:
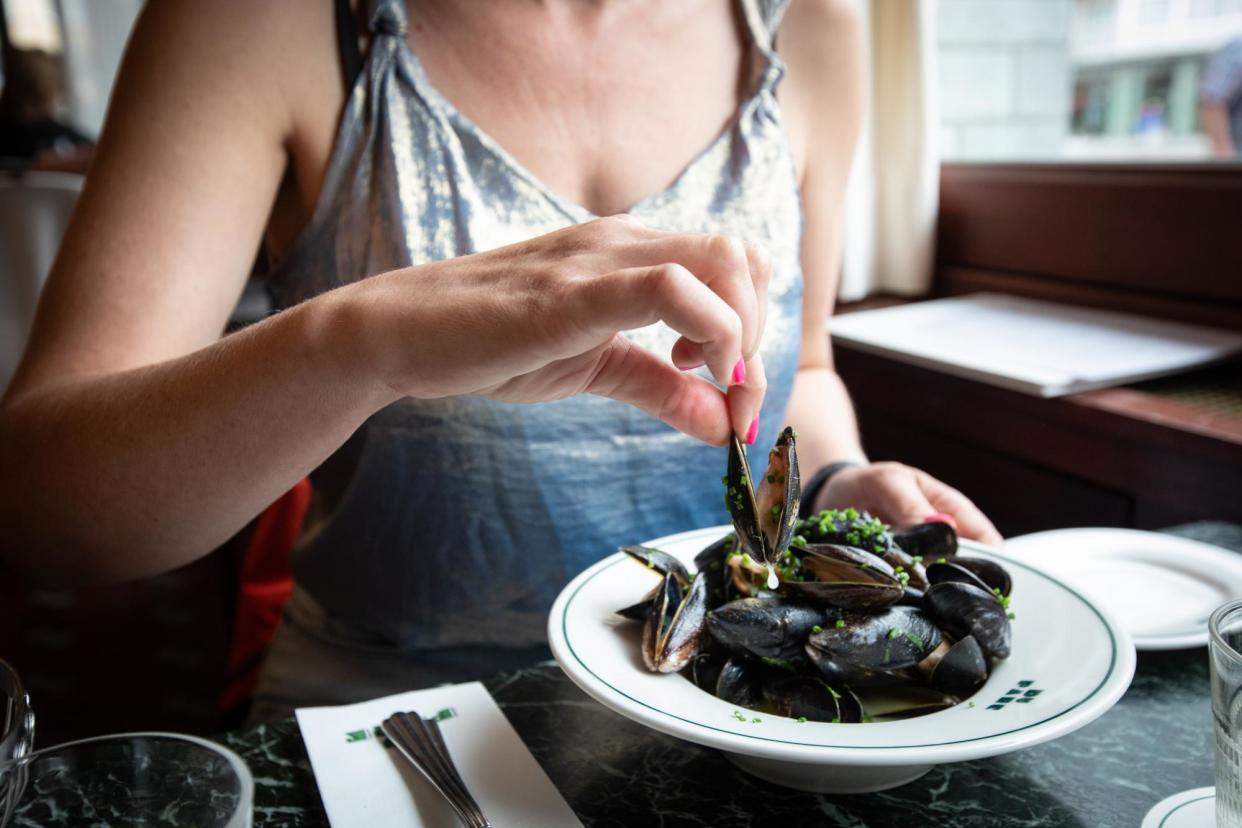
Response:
column 901, row 562
column 893, row 639
column 930, row 541
column 675, row 625
column 740, row 682
column 844, row 577
column 810, row 698
column 764, row 511
column 959, row 668
column 658, row 560
column 964, row 609
column 769, row 628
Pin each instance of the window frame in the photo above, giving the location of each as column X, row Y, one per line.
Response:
column 1158, row 239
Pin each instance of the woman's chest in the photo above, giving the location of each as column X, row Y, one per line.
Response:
column 604, row 116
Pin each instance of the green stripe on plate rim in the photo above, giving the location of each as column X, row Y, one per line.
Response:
column 1183, row 805
column 1112, row 666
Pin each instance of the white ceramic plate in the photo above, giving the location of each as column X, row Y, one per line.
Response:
column 1071, row 661
column 1161, row 587
column 1188, row 809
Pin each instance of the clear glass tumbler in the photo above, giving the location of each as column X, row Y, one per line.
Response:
column 135, row 779
column 1225, row 655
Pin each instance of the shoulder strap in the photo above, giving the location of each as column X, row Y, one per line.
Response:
column 347, row 43
column 764, row 18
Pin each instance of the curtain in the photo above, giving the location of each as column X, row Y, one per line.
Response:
column 891, row 198
column 95, row 35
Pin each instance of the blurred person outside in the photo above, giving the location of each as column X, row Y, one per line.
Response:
column 1220, row 100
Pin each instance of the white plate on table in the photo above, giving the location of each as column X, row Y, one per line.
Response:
column 1161, row 587
column 1071, row 661
column 1188, row 809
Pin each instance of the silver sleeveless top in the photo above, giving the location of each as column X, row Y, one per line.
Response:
column 453, row 522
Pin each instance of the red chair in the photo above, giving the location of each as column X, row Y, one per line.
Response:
column 265, row 583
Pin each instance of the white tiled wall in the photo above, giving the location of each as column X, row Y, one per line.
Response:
column 1004, row 78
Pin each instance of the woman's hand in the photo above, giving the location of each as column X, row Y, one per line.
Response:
column 902, row 496
column 543, row 319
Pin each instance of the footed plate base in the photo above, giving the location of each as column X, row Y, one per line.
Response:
column 832, row 779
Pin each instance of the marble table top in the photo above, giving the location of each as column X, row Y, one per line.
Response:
column 1157, row 741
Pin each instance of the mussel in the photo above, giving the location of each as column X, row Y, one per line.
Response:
column 956, row 668
column 963, row 609
column 929, row 541
column 675, row 625
column 764, row 512
column 768, row 628
column 840, row 576
column 893, row 639
column 859, row 530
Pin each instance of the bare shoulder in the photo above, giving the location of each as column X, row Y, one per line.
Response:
column 821, row 42
column 259, row 54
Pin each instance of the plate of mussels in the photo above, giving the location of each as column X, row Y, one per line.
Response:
column 833, row 653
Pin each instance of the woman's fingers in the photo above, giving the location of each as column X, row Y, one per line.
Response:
column 720, row 262
column 971, row 522
column 636, row 297
column 745, row 400
column 686, row 402
column 759, row 263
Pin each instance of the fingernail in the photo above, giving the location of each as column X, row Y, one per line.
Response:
column 692, row 367
column 739, row 371
column 941, row 517
column 753, row 431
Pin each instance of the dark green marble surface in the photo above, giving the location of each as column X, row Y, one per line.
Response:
column 614, row 772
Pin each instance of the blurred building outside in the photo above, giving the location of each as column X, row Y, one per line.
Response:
column 1077, row 79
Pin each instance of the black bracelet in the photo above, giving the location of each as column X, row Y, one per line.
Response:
column 810, row 490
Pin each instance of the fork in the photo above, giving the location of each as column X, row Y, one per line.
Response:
column 421, row 742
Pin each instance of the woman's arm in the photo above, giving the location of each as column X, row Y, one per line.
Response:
column 821, row 41
column 133, row 440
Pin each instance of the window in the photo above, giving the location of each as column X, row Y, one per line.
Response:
column 1052, row 80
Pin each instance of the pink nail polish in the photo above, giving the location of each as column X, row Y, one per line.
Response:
column 739, row 371
column 753, row 431
column 940, row 517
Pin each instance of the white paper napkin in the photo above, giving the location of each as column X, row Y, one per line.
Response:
column 365, row 782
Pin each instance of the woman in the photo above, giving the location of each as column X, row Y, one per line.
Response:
column 446, row 515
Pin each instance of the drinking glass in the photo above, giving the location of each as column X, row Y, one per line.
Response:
column 1225, row 655
column 136, row 779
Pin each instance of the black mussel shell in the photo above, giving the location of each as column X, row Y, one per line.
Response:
column 911, row 597
column 929, row 541
column 893, row 639
column 810, row 698
column 660, row 561
column 993, row 575
column 740, row 683
column 939, row 573
column 764, row 627
column 841, row 576
column 904, row 701
column 704, row 669
column 711, row 564
column 961, row 669
column 963, row 609
column 636, row 612
column 675, row 625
